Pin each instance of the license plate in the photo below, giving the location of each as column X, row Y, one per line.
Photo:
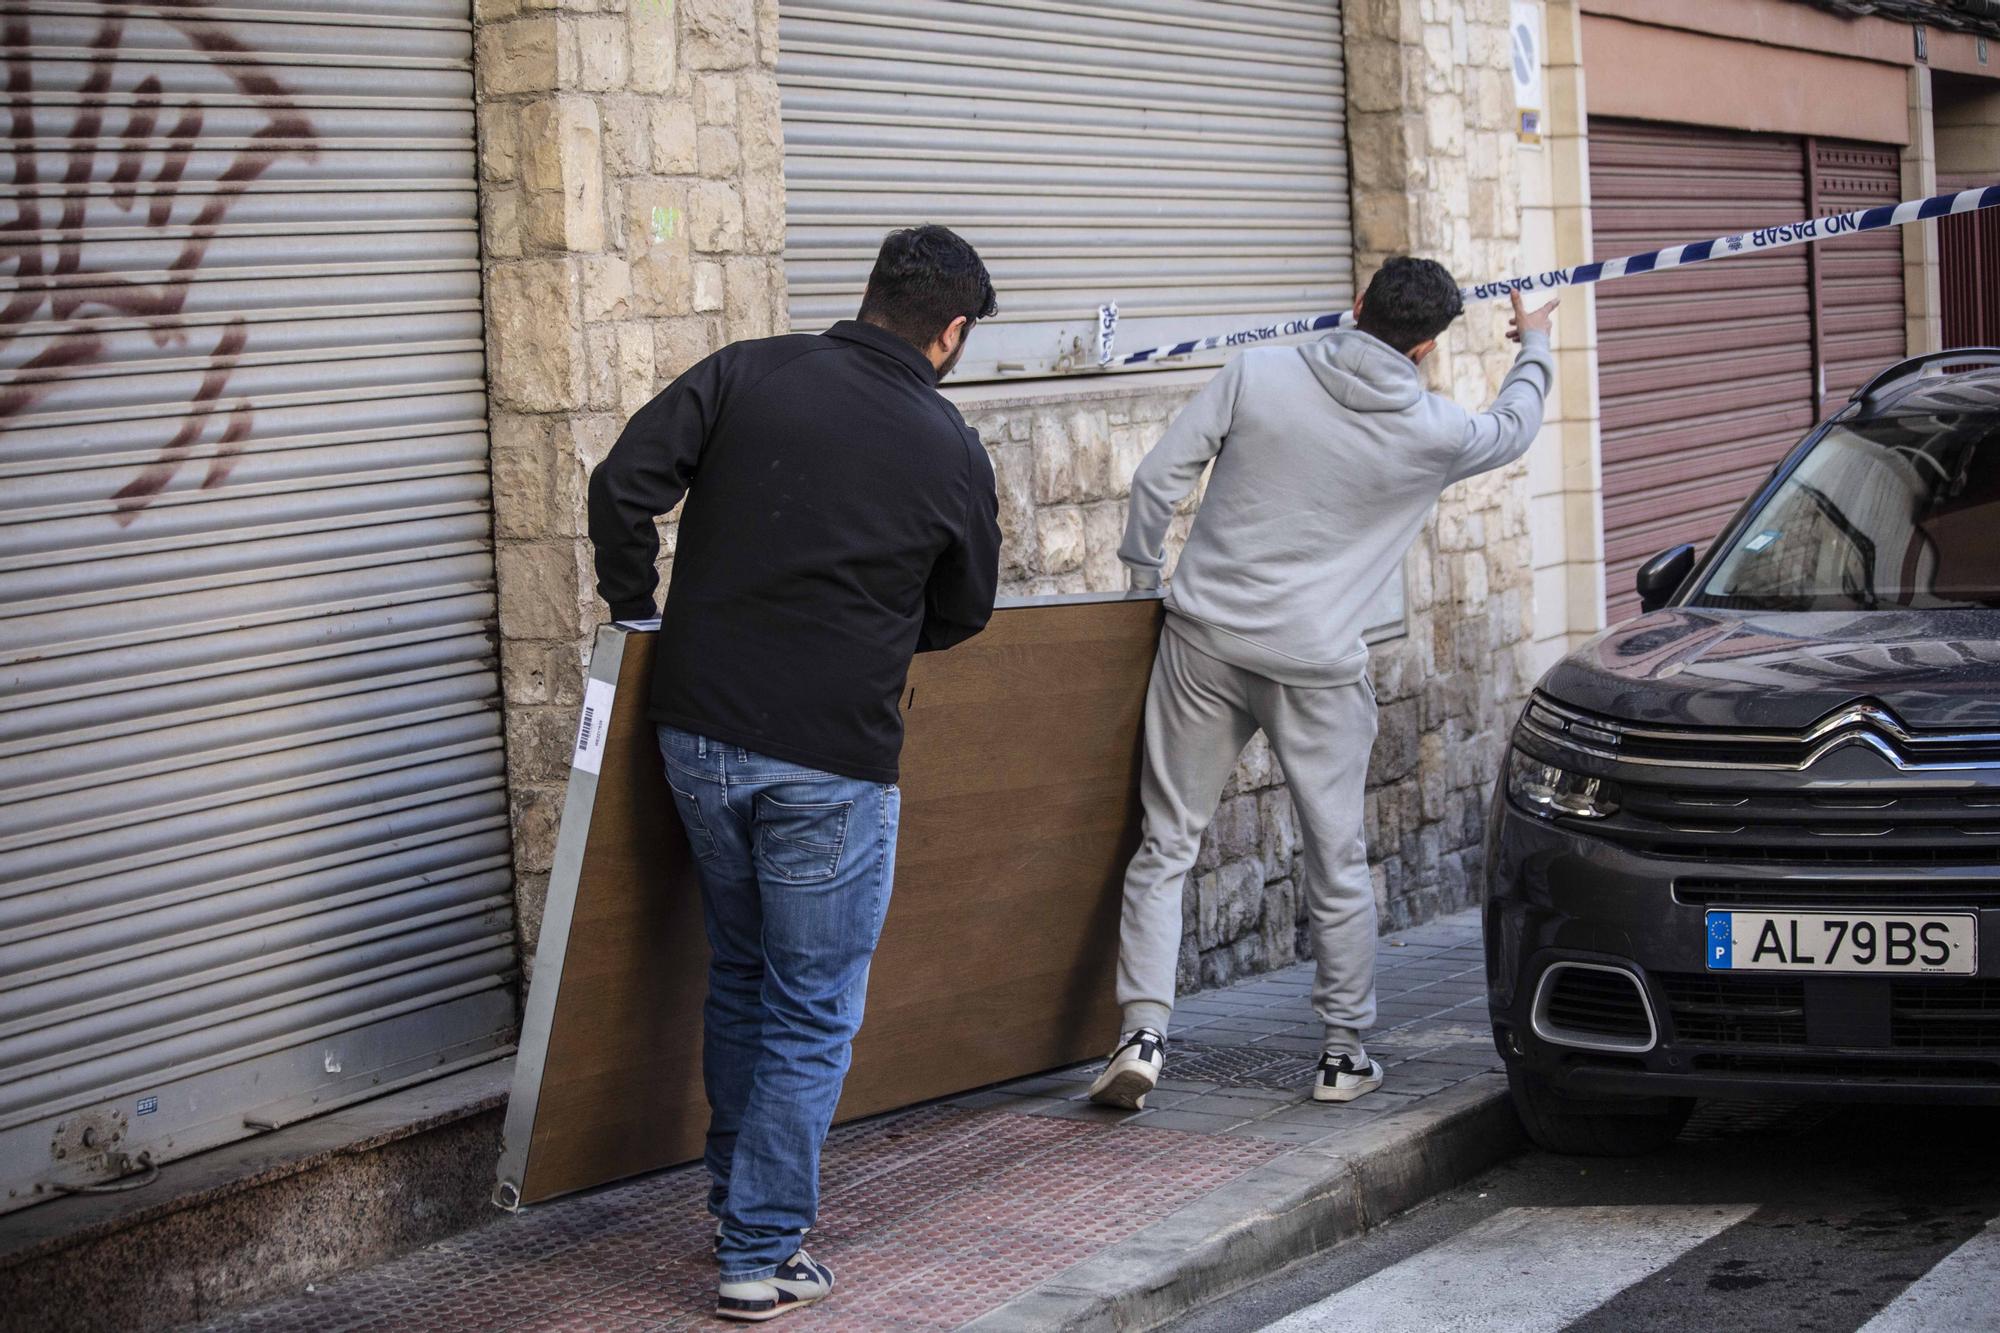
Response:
column 1843, row 942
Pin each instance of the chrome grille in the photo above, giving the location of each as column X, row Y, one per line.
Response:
column 1909, row 826
column 1598, row 1004
column 1593, row 1006
column 1718, row 748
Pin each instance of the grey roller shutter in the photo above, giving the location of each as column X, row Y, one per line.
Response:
column 254, row 856
column 1185, row 158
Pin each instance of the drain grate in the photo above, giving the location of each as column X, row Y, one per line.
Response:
column 1240, row 1066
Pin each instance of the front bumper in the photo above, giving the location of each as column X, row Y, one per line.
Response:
column 1558, row 894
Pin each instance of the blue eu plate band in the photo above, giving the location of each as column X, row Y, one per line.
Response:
column 1721, row 947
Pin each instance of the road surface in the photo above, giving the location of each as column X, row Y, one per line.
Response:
column 1883, row 1219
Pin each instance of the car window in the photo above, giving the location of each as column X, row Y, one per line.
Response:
column 1902, row 512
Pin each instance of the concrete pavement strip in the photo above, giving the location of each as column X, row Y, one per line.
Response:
column 1277, row 1213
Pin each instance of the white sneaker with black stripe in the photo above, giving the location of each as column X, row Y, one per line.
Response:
column 1133, row 1070
column 1342, row 1080
column 799, row 1281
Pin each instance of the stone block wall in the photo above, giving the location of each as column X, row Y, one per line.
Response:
column 1432, row 147
column 633, row 215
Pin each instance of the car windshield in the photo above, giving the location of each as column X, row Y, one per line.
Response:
column 1900, row 512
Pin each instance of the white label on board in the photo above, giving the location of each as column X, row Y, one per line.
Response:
column 596, row 722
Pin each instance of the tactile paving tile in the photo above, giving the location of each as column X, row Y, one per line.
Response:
column 1242, row 1066
column 930, row 1219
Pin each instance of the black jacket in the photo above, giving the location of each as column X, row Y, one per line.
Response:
column 840, row 517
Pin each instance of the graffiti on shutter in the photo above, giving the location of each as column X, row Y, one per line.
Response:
column 145, row 170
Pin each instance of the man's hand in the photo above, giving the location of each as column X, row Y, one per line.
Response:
column 1530, row 321
column 1138, row 580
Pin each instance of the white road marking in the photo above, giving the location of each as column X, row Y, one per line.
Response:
column 1959, row 1293
column 1524, row 1270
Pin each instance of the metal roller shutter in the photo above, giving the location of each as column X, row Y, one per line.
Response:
column 1706, row 372
column 254, row 855
column 1185, row 158
column 1969, row 272
column 1708, row 375
column 1859, row 319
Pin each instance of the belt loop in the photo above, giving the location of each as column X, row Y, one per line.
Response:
column 742, row 755
column 701, row 747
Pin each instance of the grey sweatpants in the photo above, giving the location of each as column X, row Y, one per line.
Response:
column 1200, row 713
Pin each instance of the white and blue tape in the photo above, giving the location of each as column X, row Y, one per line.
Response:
column 1674, row 256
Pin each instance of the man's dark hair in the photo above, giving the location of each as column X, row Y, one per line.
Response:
column 925, row 278
column 1410, row 301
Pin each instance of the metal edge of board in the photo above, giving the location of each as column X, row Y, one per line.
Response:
column 1372, row 635
column 607, row 657
column 1079, row 599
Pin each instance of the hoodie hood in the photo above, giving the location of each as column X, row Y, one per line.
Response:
column 1362, row 373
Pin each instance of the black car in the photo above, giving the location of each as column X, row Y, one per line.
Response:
column 1747, row 845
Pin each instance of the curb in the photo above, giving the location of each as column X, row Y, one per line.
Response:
column 1281, row 1212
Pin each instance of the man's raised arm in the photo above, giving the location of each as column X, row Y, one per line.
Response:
column 1168, row 474
column 1503, row 432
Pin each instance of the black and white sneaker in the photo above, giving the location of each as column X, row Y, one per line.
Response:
column 1341, row 1080
column 1134, row 1069
column 799, row 1281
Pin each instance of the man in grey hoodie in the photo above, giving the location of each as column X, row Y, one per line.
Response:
column 1327, row 460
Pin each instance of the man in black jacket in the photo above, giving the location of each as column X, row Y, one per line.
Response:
column 840, row 517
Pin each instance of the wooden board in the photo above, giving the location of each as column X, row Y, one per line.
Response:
column 1020, row 810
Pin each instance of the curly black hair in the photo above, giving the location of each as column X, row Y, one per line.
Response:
column 924, row 278
column 1410, row 301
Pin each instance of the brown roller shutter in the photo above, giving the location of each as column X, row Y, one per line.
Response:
column 1969, row 271
column 1705, row 373
column 1860, row 278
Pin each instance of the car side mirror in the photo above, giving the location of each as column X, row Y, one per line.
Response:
column 1660, row 576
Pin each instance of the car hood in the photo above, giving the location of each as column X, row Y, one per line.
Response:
column 1787, row 670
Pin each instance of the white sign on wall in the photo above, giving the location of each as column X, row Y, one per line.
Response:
column 1528, row 46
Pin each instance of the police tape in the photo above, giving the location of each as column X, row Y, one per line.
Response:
column 1653, row 261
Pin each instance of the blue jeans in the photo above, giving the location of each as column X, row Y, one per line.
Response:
column 795, row 868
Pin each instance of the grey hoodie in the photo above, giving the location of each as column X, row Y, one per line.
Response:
column 1328, row 458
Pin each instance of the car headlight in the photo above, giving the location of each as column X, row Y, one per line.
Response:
column 1546, row 790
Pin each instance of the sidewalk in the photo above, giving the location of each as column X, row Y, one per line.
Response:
column 1023, row 1206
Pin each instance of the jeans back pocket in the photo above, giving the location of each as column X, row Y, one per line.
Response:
column 800, row 844
column 700, row 841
